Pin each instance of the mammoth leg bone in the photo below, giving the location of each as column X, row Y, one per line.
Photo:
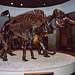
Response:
column 44, row 49
column 24, row 53
column 1, row 53
column 5, row 54
column 9, row 51
column 39, row 51
column 5, row 48
column 32, row 54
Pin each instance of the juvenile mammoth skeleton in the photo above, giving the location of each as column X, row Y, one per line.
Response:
column 29, row 28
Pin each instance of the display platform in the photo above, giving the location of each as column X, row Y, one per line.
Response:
column 58, row 64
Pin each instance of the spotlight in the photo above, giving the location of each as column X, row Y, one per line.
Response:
column 44, row 4
column 21, row 4
column 12, row 3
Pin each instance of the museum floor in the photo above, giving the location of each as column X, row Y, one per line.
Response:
column 54, row 60
column 68, row 52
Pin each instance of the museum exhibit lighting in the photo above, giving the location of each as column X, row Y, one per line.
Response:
column 12, row 3
column 21, row 4
column 31, row 3
column 44, row 4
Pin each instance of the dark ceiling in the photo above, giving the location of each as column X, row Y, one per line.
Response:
column 31, row 3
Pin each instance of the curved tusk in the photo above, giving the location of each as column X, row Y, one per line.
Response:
column 57, row 24
column 69, row 20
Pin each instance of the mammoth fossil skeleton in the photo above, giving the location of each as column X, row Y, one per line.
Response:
column 29, row 28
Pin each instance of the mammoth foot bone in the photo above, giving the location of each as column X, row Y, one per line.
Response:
column 10, row 52
column 52, row 53
column 24, row 59
column 45, row 53
column 5, row 59
column 1, row 53
column 33, row 58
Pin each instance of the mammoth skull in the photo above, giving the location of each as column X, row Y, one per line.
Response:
column 61, row 18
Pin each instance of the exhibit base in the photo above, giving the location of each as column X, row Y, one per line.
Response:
column 58, row 64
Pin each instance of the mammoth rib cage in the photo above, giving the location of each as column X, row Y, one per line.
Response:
column 17, row 34
column 31, row 25
column 32, row 17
